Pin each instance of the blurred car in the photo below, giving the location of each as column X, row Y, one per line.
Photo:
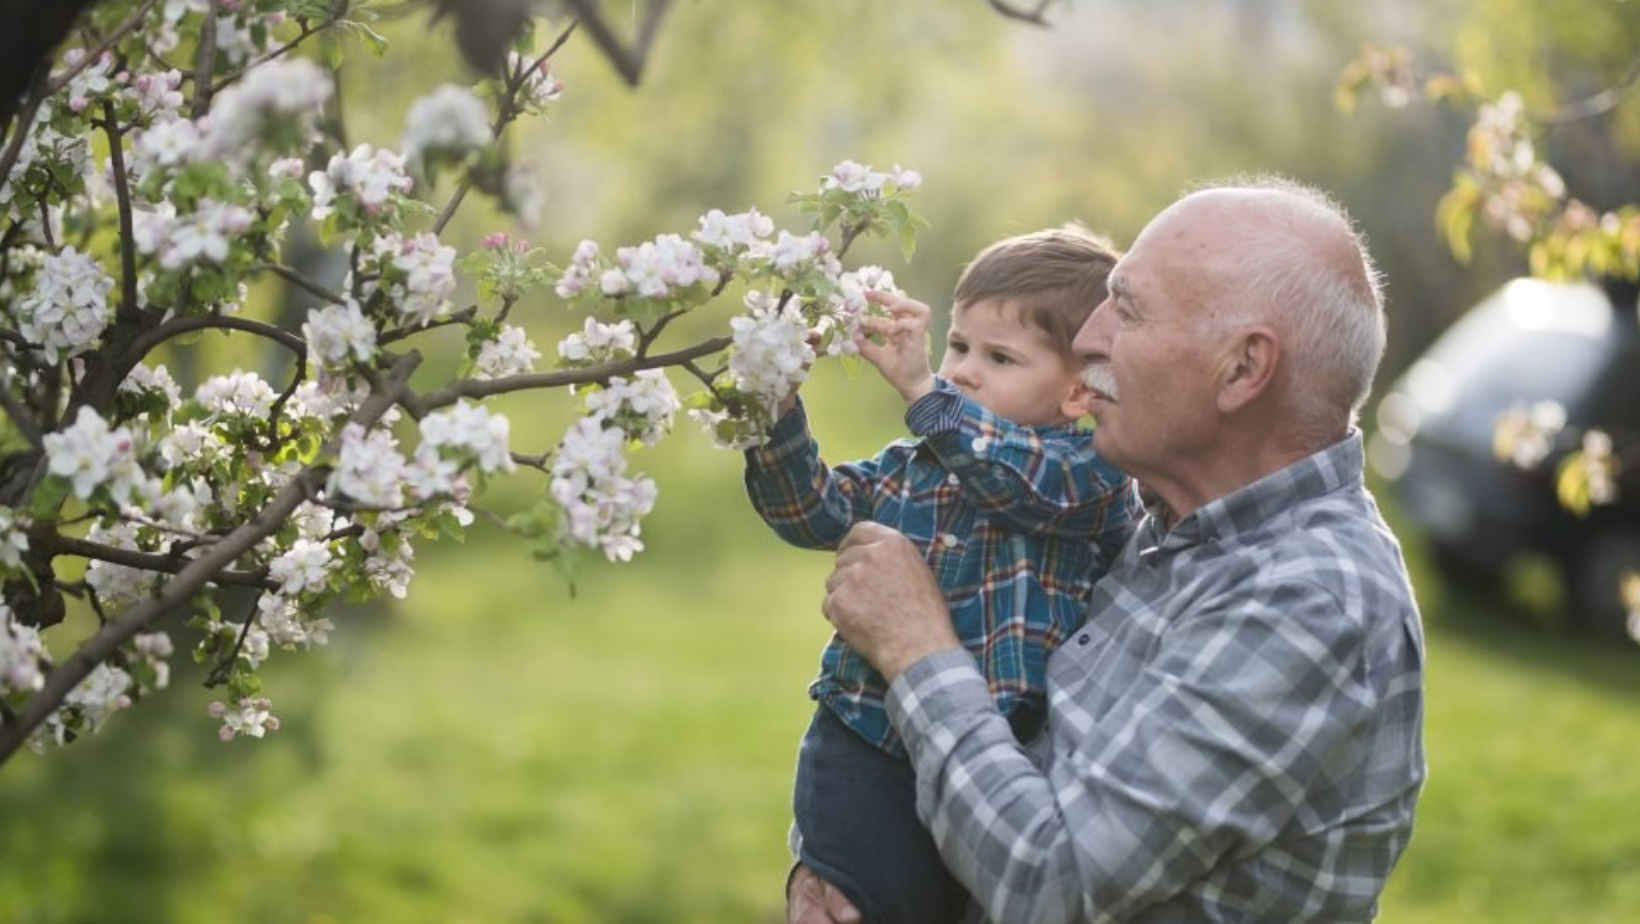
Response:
column 1531, row 343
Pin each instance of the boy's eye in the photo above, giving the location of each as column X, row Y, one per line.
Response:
column 1001, row 359
column 957, row 346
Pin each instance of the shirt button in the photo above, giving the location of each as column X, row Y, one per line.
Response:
column 980, row 443
column 949, row 540
column 952, row 478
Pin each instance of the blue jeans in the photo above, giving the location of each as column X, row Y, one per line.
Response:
column 855, row 808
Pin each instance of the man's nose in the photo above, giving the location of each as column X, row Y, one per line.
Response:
column 1092, row 340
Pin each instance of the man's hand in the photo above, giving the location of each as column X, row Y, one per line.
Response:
column 902, row 357
column 812, row 900
column 885, row 602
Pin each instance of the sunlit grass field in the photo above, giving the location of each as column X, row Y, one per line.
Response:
column 492, row 750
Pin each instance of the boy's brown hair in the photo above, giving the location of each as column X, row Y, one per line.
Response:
column 1053, row 278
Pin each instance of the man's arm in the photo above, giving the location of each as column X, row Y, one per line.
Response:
column 1244, row 718
column 883, row 599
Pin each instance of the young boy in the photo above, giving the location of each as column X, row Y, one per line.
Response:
column 1014, row 512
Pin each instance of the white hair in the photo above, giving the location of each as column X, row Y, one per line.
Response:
column 1304, row 267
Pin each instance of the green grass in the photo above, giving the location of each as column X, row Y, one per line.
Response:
column 493, row 751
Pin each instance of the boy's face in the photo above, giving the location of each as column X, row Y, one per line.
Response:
column 1007, row 365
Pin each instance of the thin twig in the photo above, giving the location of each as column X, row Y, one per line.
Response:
column 507, row 111
column 122, row 196
column 1034, row 17
column 149, row 561
column 145, row 344
column 420, row 405
column 204, row 65
column 629, row 62
column 464, row 316
column 294, row 276
column 219, row 673
column 1600, row 103
column 24, row 120
column 306, row 33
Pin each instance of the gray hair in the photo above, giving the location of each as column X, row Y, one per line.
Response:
column 1303, row 266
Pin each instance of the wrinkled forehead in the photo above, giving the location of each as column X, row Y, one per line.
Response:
column 1178, row 253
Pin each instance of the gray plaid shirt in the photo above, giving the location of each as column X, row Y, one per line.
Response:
column 1235, row 735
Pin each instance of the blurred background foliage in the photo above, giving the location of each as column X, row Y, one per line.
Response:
column 494, row 749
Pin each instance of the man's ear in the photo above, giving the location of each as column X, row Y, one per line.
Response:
column 1249, row 368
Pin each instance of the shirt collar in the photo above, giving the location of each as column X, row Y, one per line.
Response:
column 1256, row 505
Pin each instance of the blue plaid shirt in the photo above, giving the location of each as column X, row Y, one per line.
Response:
column 1234, row 736
column 1017, row 523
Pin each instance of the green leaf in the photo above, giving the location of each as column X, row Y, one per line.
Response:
column 373, row 40
column 48, row 498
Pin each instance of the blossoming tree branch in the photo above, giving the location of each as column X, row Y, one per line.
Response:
column 152, row 179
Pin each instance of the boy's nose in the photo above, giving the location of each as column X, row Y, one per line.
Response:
column 962, row 375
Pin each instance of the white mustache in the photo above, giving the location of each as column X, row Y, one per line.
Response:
column 1097, row 376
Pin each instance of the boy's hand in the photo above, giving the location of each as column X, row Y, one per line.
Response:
column 902, row 356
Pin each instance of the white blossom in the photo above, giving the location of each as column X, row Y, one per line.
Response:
column 13, row 541
column 282, row 620
column 153, row 648
column 336, row 333
column 370, row 468
column 22, row 651
column 288, row 92
column 303, row 568
column 539, row 86
column 656, row 268
column 156, row 94
column 584, row 267
column 388, row 567
column 85, row 708
column 67, row 309
column 423, row 274
column 118, row 586
column 733, row 232
column 152, row 379
column 642, row 406
column 599, row 342
column 191, row 443
column 181, row 240
column 89, row 84
column 366, row 175
column 236, row 393
column 451, row 119
column 251, row 716
column 90, row 454
column 859, row 179
column 601, row 506
column 771, row 353
column 510, row 353
column 165, row 143
column 472, row 429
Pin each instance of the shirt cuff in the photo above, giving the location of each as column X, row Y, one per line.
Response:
column 788, row 432
column 939, row 411
column 928, row 694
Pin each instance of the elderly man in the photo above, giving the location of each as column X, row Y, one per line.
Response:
column 1236, row 734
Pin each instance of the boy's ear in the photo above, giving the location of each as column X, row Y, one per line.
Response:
column 1077, row 403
